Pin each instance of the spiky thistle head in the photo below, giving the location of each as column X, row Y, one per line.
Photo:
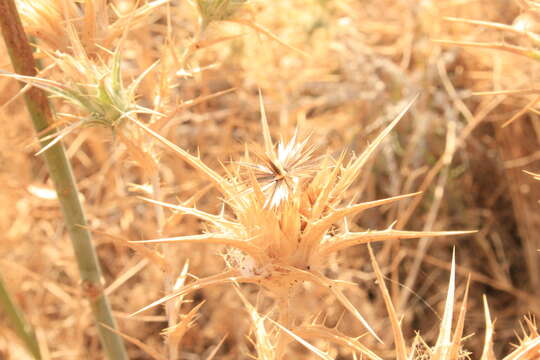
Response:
column 94, row 88
column 284, row 214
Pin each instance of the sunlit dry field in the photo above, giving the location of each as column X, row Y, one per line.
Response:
column 269, row 180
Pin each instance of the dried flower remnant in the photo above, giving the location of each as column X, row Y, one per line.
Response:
column 289, row 242
column 281, row 171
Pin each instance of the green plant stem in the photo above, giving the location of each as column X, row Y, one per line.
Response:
column 61, row 174
column 22, row 328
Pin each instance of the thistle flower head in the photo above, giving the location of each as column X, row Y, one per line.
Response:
column 284, row 217
column 279, row 172
column 94, row 89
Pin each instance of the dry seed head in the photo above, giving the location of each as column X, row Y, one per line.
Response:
column 282, row 245
column 280, row 172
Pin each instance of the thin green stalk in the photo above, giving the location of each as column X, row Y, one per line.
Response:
column 59, row 167
column 22, row 328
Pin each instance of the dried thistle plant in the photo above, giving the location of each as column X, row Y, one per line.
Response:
column 285, row 210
